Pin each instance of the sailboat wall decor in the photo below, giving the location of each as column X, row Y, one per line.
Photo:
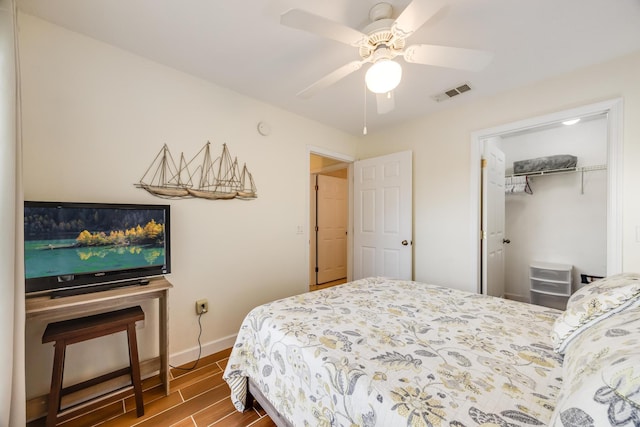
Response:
column 201, row 177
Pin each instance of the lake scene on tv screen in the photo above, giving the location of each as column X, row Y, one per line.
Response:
column 66, row 241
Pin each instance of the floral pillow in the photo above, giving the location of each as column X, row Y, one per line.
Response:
column 593, row 303
column 601, row 375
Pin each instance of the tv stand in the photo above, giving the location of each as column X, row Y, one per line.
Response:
column 48, row 309
column 99, row 287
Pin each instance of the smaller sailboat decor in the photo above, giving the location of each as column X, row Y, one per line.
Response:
column 247, row 188
column 163, row 178
column 201, row 177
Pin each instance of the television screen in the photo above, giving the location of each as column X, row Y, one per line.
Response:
column 77, row 245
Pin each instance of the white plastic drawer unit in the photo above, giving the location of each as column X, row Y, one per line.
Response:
column 551, row 287
column 551, row 272
column 552, row 301
column 550, row 284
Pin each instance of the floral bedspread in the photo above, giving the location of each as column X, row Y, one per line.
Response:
column 379, row 352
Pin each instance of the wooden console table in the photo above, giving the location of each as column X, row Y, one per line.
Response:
column 47, row 309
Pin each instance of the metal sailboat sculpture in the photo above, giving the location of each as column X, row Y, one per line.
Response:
column 247, row 189
column 165, row 179
column 211, row 179
column 217, row 178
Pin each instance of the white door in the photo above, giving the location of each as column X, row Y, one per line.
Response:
column 332, row 213
column 493, row 220
column 382, row 217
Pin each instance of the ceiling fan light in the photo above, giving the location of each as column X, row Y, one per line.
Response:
column 383, row 76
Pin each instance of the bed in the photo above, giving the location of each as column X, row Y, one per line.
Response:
column 380, row 352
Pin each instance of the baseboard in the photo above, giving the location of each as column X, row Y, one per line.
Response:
column 37, row 406
column 517, row 297
column 186, row 356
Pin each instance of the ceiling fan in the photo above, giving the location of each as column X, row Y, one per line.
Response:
column 380, row 42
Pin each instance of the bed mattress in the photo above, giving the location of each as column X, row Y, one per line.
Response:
column 393, row 353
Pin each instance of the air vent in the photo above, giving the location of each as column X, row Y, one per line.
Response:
column 450, row 93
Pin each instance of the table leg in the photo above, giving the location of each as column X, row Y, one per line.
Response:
column 163, row 308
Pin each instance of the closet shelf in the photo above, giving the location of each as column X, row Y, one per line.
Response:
column 561, row 171
column 581, row 170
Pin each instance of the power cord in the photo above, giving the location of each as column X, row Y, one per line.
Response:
column 199, row 347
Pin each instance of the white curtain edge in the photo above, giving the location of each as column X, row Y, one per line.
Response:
column 17, row 415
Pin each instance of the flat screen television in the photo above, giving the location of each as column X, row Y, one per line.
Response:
column 74, row 248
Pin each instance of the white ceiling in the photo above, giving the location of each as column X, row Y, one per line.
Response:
column 241, row 45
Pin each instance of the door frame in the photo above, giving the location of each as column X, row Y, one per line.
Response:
column 324, row 152
column 613, row 109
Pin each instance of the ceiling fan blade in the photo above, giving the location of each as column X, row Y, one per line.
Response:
column 385, row 102
column 450, row 57
column 302, row 20
column 414, row 16
column 330, row 79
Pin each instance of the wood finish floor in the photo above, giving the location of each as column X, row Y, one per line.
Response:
column 198, row 398
column 327, row 285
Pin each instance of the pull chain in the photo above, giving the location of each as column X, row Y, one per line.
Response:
column 364, row 129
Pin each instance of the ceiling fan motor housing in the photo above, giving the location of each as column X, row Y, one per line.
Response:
column 380, row 11
column 379, row 33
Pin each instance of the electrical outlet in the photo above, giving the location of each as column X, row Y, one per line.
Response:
column 202, row 306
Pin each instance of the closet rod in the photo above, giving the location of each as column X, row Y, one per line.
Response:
column 581, row 169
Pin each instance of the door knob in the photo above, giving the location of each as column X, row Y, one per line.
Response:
column 507, row 241
column 405, row 243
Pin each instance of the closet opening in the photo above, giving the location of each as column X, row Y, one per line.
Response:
column 563, row 216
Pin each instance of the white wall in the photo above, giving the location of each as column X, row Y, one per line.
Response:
column 562, row 221
column 94, row 118
column 441, row 154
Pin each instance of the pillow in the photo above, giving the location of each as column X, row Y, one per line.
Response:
column 601, row 375
column 593, row 303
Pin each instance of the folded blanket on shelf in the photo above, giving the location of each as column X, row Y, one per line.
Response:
column 548, row 163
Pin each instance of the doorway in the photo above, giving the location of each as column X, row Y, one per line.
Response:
column 383, row 187
column 612, row 110
column 328, row 221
